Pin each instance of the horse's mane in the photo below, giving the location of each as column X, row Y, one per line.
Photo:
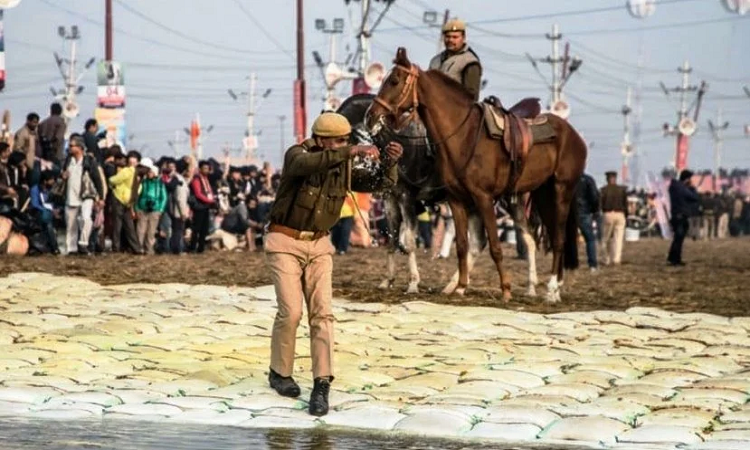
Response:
column 453, row 84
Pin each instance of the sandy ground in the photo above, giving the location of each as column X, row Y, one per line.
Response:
column 714, row 280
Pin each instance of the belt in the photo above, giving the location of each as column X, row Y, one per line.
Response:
column 296, row 234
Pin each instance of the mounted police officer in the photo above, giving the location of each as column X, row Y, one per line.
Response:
column 314, row 182
column 458, row 60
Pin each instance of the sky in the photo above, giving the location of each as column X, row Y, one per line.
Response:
column 181, row 56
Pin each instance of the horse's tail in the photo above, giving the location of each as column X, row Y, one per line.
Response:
column 570, row 250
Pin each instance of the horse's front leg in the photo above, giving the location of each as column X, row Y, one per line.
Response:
column 477, row 243
column 460, row 218
column 410, row 230
column 393, row 217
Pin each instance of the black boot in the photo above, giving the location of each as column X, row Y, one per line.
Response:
column 319, row 397
column 285, row 386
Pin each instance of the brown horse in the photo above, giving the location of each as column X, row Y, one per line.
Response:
column 477, row 169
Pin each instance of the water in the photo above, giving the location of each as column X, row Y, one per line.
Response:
column 132, row 435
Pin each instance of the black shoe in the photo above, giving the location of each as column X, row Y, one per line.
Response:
column 319, row 397
column 677, row 264
column 83, row 251
column 285, row 386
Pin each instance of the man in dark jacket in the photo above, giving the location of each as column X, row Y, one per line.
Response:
column 52, row 135
column 92, row 141
column 685, row 203
column 587, row 196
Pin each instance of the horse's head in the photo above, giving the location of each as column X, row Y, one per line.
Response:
column 396, row 102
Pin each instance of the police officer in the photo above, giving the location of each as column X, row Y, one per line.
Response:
column 614, row 199
column 684, row 202
column 314, row 182
column 458, row 60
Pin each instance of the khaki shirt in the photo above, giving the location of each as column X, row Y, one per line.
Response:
column 314, row 183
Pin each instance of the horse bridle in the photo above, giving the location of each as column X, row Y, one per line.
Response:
column 410, row 87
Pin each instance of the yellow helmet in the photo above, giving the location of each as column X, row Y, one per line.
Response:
column 454, row 25
column 330, row 124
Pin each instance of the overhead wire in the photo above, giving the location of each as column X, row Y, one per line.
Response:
column 263, row 30
column 186, row 36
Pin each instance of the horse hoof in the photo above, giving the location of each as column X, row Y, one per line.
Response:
column 451, row 288
column 531, row 292
column 413, row 288
column 553, row 297
column 506, row 296
column 460, row 291
column 385, row 284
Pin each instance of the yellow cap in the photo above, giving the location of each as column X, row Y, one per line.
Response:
column 331, row 124
column 454, row 25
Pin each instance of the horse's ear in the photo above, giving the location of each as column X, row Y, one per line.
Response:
column 401, row 57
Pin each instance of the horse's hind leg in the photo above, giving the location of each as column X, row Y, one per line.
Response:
column 485, row 205
column 477, row 243
column 544, row 198
column 523, row 225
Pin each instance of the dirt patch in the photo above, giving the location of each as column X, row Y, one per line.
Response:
column 714, row 280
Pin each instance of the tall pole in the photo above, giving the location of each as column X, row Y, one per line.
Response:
column 108, row 31
column 300, row 113
column 626, row 110
column 555, row 38
column 638, row 115
column 250, row 155
column 717, row 132
column 364, row 39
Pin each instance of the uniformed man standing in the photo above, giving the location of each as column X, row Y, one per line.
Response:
column 614, row 200
column 458, row 60
column 314, row 182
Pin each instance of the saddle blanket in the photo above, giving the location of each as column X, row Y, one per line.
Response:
column 541, row 129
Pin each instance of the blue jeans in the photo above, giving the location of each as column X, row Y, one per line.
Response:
column 341, row 232
column 585, row 222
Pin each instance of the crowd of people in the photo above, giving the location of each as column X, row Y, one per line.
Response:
column 105, row 199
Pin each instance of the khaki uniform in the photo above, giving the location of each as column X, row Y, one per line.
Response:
column 614, row 203
column 462, row 66
column 314, row 183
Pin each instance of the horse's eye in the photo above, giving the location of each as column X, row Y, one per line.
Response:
column 393, row 81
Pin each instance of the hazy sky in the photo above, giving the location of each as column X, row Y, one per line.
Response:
column 181, row 56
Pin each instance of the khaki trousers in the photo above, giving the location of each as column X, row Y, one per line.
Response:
column 301, row 270
column 148, row 222
column 613, row 237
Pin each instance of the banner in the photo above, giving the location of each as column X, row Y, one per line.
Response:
column 110, row 85
column 2, row 53
column 112, row 120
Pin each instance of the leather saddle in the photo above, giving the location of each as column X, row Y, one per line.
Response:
column 513, row 125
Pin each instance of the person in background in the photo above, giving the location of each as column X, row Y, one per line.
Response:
column 151, row 203
column 204, row 200
column 341, row 232
column 84, row 188
column 43, row 210
column 684, row 201
column 614, row 201
column 587, row 196
column 123, row 226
